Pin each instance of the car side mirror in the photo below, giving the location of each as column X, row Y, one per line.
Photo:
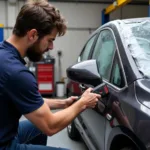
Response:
column 85, row 72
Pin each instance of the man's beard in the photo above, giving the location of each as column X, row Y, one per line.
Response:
column 33, row 53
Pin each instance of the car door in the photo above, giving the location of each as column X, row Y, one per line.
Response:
column 111, row 70
column 94, row 121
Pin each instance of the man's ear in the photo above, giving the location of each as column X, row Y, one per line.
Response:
column 32, row 35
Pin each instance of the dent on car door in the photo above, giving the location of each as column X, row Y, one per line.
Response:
column 94, row 119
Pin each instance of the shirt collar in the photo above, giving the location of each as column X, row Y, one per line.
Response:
column 14, row 50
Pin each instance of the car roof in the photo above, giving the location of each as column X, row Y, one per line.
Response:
column 135, row 20
column 118, row 22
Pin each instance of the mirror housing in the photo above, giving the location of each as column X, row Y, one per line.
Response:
column 85, row 72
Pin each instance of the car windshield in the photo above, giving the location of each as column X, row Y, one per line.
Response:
column 137, row 38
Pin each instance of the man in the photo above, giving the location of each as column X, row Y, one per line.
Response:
column 37, row 25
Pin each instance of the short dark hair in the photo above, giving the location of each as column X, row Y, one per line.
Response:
column 39, row 15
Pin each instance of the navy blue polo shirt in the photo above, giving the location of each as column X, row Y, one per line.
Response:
column 18, row 91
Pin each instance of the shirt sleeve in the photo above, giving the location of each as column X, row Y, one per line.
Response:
column 22, row 90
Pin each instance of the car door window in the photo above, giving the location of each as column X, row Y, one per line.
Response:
column 117, row 74
column 85, row 53
column 104, row 52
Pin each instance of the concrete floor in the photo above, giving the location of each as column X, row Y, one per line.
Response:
column 61, row 139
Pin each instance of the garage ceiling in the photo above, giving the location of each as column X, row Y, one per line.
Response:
column 145, row 2
column 138, row 2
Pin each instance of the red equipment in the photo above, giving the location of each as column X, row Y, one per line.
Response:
column 45, row 76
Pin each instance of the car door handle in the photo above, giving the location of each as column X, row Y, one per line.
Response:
column 82, row 87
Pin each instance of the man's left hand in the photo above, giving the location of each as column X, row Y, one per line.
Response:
column 70, row 100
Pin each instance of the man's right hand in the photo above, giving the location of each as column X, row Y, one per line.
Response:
column 89, row 99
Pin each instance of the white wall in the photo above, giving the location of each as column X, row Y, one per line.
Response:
column 78, row 15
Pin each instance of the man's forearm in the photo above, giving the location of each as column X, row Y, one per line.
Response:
column 64, row 117
column 55, row 103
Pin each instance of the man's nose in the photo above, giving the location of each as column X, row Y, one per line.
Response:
column 51, row 46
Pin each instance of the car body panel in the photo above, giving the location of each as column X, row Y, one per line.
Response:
column 128, row 106
column 94, row 126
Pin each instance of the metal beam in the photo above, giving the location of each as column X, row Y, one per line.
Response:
column 116, row 4
column 1, row 25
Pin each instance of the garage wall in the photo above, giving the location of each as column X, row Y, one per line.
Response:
column 82, row 19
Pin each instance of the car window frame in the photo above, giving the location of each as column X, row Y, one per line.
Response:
column 116, row 59
column 92, row 47
column 121, row 65
column 119, row 58
column 100, row 31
